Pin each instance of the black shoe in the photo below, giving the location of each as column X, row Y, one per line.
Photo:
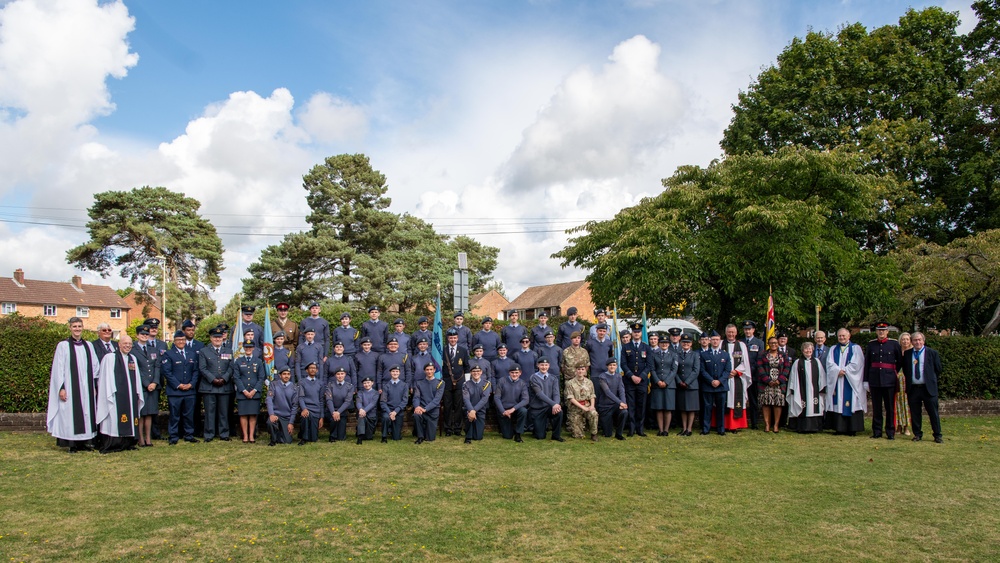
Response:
column 302, row 442
column 385, row 440
column 208, row 440
column 619, row 437
column 172, row 442
column 448, row 432
column 704, row 432
column 640, row 433
column 722, row 433
column 890, row 437
column 419, row 441
column 359, row 440
column 468, row 440
column 332, row 439
column 630, row 434
column 73, row 450
column 517, row 438
column 917, row 438
column 559, row 439
column 191, row 440
column 876, row 436
column 938, row 440
column 226, row 439
column 271, row 444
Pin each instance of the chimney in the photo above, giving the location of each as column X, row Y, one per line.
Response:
column 78, row 282
column 19, row 276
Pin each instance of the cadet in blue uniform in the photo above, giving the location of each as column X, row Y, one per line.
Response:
column 600, row 349
column 663, row 380
column 307, row 352
column 310, row 404
column 148, row 362
column 883, row 361
column 565, row 336
column 181, row 372
column 216, row 385
column 525, row 356
column 427, row 394
column 366, row 360
column 464, row 333
column 544, row 406
column 248, row 324
column 420, row 358
column 755, row 347
column 249, row 336
column 321, row 332
column 637, row 363
column 714, row 384
column 399, row 326
column 475, row 397
column 488, row 339
column 550, row 351
column 395, row 395
column 339, row 359
column 376, row 330
column 339, row 398
column 393, row 356
column 347, row 335
column 478, row 359
column 282, row 405
column 421, row 332
column 612, row 407
column 511, row 399
column 539, row 331
column 366, row 403
column 502, row 365
column 602, row 319
column 153, row 325
column 249, row 374
column 512, row 334
column 192, row 345
column 283, row 356
column 688, row 373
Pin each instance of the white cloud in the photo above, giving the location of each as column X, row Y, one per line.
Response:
column 329, row 119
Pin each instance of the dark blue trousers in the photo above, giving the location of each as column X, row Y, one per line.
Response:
column 181, row 412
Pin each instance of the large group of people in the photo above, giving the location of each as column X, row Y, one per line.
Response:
column 105, row 394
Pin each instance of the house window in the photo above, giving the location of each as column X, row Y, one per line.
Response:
column 83, row 312
column 8, row 308
column 50, row 311
column 116, row 313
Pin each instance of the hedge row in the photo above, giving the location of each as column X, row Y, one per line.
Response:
column 27, row 343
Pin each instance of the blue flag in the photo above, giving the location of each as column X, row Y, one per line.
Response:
column 237, row 334
column 268, row 344
column 615, row 337
column 645, row 334
column 437, row 347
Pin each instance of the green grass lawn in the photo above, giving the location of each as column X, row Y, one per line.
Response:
column 751, row 496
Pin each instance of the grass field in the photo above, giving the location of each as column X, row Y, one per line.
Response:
column 751, row 496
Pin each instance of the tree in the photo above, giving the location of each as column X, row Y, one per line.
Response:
column 956, row 285
column 719, row 237
column 898, row 95
column 296, row 270
column 495, row 285
column 136, row 231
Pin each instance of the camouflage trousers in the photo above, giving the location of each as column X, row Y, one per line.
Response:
column 578, row 421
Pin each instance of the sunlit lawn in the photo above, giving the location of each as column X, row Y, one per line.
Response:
column 751, row 496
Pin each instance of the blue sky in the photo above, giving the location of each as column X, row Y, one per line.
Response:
column 509, row 120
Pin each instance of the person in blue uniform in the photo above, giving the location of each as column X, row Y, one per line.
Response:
column 600, row 349
column 883, row 360
column 475, row 396
column 366, row 360
column 512, row 334
column 282, row 406
column 215, row 366
column 612, row 406
column 420, row 358
column 393, row 399
column 464, row 333
column 148, row 362
column 283, row 356
column 322, row 336
column 455, row 366
column 160, row 346
column 544, row 405
column 525, row 356
column 421, row 332
column 755, row 347
column 339, row 359
column 366, row 403
column 427, row 395
column 488, row 339
column 602, row 319
column 180, row 369
column 249, row 336
column 551, row 352
column 347, row 335
column 502, row 365
column 511, row 399
column 688, row 373
column 310, row 404
column 399, row 333
column 339, row 399
column 478, row 359
column 566, row 330
column 248, row 325
column 539, row 331
column 637, row 363
column 922, row 369
column 715, row 369
column 663, row 383
column 249, row 374
column 376, row 330
column 393, row 356
column 188, row 327
column 307, row 352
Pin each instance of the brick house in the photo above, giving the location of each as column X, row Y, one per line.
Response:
column 492, row 303
column 554, row 299
column 150, row 308
column 58, row 301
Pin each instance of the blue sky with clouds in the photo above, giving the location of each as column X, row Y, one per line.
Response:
column 510, row 121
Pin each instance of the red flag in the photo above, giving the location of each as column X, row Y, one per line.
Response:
column 769, row 329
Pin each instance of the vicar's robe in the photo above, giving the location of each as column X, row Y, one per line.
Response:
column 119, row 396
column 846, row 395
column 806, row 394
column 74, row 368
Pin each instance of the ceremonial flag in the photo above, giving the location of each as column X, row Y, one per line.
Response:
column 615, row 337
column 237, row 334
column 268, row 345
column 645, row 334
column 437, row 347
column 769, row 329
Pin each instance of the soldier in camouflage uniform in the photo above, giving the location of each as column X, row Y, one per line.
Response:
column 582, row 406
column 572, row 356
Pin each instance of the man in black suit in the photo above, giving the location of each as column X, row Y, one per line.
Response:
column 456, row 365
column 103, row 343
column 922, row 367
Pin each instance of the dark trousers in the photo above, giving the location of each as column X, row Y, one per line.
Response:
column 392, row 427
column 279, row 431
column 474, row 429
column 541, row 419
column 366, row 425
column 712, row 401
column 753, row 407
column 309, row 427
column 883, row 398
column 426, row 425
column 217, row 407
column 612, row 420
column 514, row 424
column 918, row 397
column 181, row 412
column 338, row 428
column 452, row 405
column 635, row 398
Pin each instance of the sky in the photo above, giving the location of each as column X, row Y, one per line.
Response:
column 509, row 121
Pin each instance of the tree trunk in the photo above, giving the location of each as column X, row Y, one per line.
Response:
column 994, row 322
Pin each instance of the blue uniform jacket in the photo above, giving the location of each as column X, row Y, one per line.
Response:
column 714, row 367
column 427, row 393
column 510, row 394
column 177, row 370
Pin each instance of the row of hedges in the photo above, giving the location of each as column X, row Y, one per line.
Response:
column 27, row 344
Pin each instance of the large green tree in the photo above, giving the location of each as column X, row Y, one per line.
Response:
column 137, row 231
column 900, row 96
column 719, row 237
